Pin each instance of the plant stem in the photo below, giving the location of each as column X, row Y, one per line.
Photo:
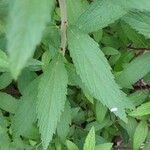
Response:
column 140, row 48
column 63, row 11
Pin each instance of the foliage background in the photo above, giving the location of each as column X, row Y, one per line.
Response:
column 96, row 97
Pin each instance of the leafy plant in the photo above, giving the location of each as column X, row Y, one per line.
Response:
column 74, row 74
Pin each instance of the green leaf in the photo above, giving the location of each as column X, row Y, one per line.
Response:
column 138, row 97
column 146, row 146
column 25, row 79
column 95, row 72
column 34, row 65
column 4, row 62
column 100, row 14
column 100, row 111
column 98, row 35
column 140, row 21
column 8, row 103
column 46, row 57
column 110, row 51
column 135, row 70
column 71, row 145
column 25, row 30
column 105, row 146
column 130, row 126
column 142, row 110
column 65, row 121
column 132, row 35
column 142, row 5
column 4, row 139
column 26, row 112
column 99, row 126
column 140, row 134
column 5, row 80
column 75, row 9
column 51, row 99
column 32, row 133
column 51, row 39
column 3, row 9
column 73, row 77
column 90, row 140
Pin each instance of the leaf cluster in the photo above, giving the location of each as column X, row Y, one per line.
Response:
column 92, row 96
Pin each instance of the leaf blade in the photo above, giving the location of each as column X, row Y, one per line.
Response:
column 8, row 103
column 139, row 21
column 27, row 26
column 140, row 134
column 26, row 112
column 90, row 140
column 142, row 110
column 130, row 75
column 100, row 14
column 51, row 99
column 88, row 65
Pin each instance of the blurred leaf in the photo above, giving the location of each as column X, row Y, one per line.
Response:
column 26, row 114
column 137, row 39
column 139, row 21
column 34, row 65
column 8, row 103
column 105, row 146
column 142, row 110
column 135, row 70
column 75, row 9
column 100, row 14
column 5, row 80
column 100, row 111
column 71, row 145
column 110, row 51
column 142, row 5
column 4, row 62
column 65, row 121
column 140, row 134
column 130, row 126
column 138, row 97
column 27, row 26
column 25, row 78
column 90, row 140
column 46, row 57
column 4, row 139
column 98, row 35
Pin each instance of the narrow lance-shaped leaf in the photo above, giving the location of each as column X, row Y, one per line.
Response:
column 95, row 72
column 27, row 21
column 51, row 99
column 100, row 14
column 90, row 140
column 140, row 134
column 142, row 110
